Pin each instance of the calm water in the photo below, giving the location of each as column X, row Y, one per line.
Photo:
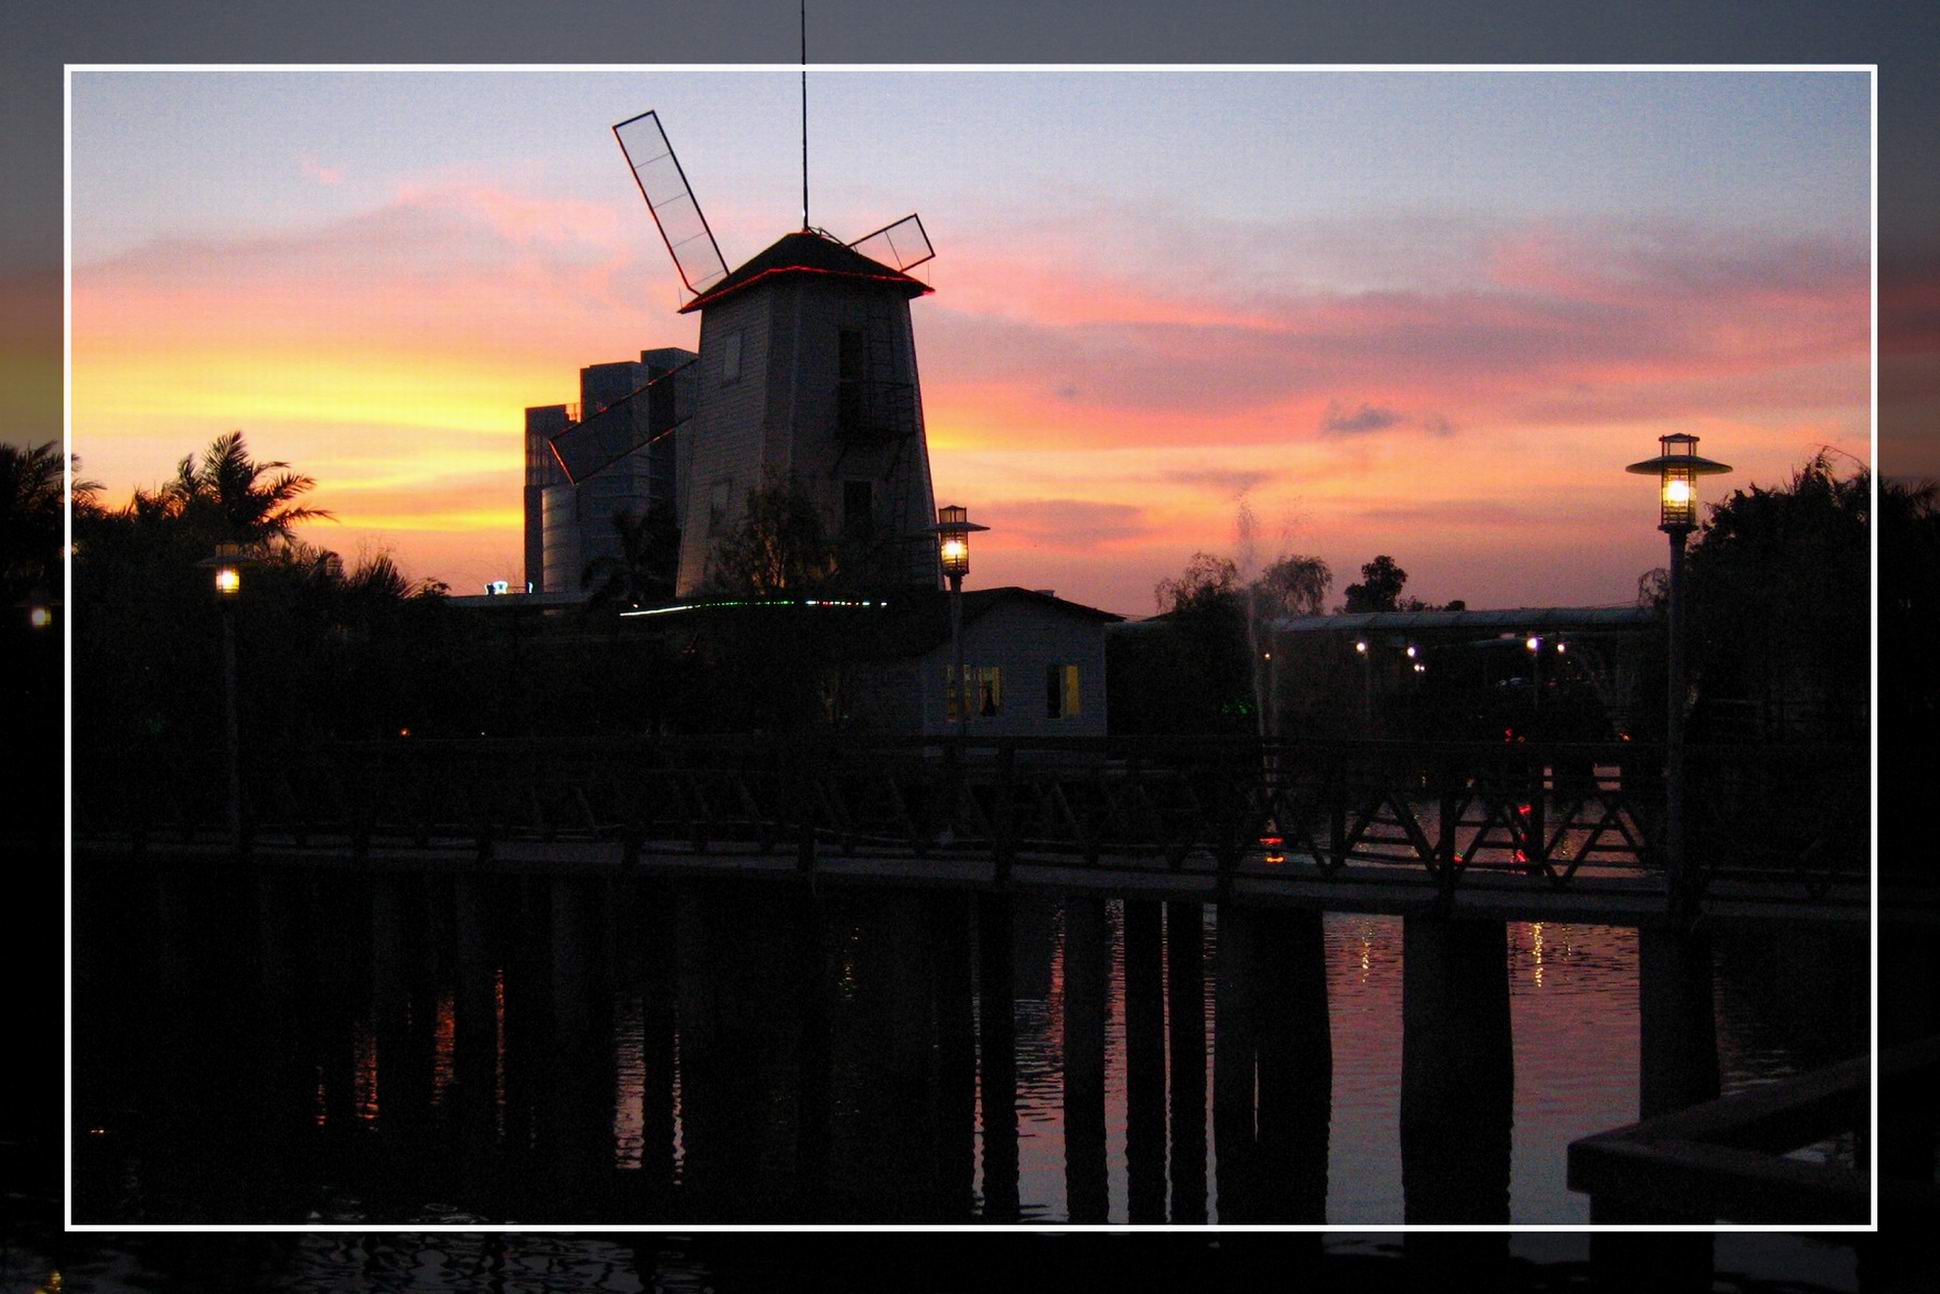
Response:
column 525, row 1263
column 292, row 1052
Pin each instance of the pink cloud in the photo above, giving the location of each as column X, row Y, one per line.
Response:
column 1627, row 314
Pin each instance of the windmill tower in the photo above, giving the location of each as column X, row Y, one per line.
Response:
column 806, row 373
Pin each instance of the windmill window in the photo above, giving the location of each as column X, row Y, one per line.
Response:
column 731, row 357
column 1062, row 698
column 858, row 509
column 717, row 504
column 851, row 362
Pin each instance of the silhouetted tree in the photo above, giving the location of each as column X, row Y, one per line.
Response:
column 644, row 570
column 1295, row 585
column 1379, row 589
column 224, row 494
column 1207, row 583
column 1654, row 589
column 779, row 546
column 30, row 517
column 1779, row 596
column 1909, row 625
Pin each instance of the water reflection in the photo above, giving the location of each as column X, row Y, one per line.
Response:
column 527, row 1263
column 411, row 1048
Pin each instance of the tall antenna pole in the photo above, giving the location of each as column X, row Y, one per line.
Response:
column 804, row 114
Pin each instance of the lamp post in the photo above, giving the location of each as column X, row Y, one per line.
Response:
column 1534, row 646
column 1367, row 688
column 1676, row 467
column 952, row 530
column 227, row 565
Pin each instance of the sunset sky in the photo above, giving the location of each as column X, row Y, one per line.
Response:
column 1424, row 314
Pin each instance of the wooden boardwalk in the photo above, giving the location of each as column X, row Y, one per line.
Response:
column 1515, row 832
column 1624, row 899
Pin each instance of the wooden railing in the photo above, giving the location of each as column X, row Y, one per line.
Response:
column 1736, row 1159
column 1793, row 816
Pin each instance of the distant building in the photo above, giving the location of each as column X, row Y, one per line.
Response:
column 1034, row 664
column 566, row 525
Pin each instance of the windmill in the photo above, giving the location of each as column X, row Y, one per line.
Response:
column 806, row 369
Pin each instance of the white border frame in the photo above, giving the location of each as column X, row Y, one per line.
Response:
column 1362, row 1229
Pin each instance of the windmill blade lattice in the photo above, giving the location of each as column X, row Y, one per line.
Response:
column 664, row 185
column 628, row 424
column 900, row 246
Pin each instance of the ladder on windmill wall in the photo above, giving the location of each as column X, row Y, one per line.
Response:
column 873, row 406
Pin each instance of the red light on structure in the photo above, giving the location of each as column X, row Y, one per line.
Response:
column 1272, row 840
column 1523, row 809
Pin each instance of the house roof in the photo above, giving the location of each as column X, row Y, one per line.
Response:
column 1505, row 619
column 1511, row 618
column 921, row 619
column 808, row 252
column 904, row 624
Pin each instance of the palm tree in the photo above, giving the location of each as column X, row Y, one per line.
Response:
column 30, row 515
column 643, row 570
column 226, row 484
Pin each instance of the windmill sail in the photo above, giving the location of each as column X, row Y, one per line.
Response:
column 899, row 246
column 664, row 185
column 628, row 424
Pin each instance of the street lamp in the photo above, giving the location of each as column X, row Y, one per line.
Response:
column 227, row 568
column 1534, row 645
column 1676, row 467
column 1367, row 688
column 953, row 529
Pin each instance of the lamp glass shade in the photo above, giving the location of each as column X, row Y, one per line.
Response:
column 1677, row 467
column 1679, row 493
column 953, row 529
column 228, row 580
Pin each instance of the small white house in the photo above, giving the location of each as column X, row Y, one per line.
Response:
column 1035, row 666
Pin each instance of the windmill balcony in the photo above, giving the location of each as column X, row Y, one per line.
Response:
column 873, row 413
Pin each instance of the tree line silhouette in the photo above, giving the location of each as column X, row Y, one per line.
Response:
column 1781, row 582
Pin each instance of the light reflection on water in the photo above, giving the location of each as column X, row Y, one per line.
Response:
column 1573, row 1008
column 536, row 1263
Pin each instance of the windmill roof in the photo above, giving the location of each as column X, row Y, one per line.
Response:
column 806, row 252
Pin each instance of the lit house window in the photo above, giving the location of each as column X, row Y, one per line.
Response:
column 986, row 691
column 1061, row 698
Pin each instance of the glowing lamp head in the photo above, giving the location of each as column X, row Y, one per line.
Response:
column 1411, row 651
column 226, row 568
column 40, row 617
column 952, row 530
column 1533, row 643
column 1677, row 468
column 1360, row 646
